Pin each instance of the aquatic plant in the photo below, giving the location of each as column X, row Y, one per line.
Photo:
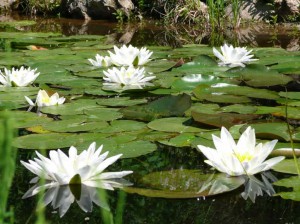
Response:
column 86, row 168
column 7, row 162
column 127, row 56
column 245, row 157
column 18, row 77
column 126, row 76
column 43, row 99
column 101, row 61
column 233, row 56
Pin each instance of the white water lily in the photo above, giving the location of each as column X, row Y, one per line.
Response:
column 127, row 76
column 245, row 157
column 44, row 100
column 86, row 168
column 101, row 61
column 128, row 56
column 18, row 77
column 233, row 56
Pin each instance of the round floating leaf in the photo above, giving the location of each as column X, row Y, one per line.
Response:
column 45, row 141
column 204, row 92
column 123, row 126
column 78, row 124
column 271, row 131
column 182, row 140
column 157, row 66
column 163, row 107
column 174, row 124
column 201, row 64
column 189, row 82
column 185, row 184
column 103, row 114
column 75, row 107
column 258, row 75
column 291, row 182
column 239, row 108
column 24, row 119
column 290, row 95
column 287, row 166
column 223, row 119
column 120, row 101
column 129, row 149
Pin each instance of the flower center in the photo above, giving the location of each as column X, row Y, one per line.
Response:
column 244, row 157
column 46, row 100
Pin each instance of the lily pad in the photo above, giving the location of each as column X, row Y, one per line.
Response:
column 163, row 107
column 287, row 166
column 258, row 76
column 223, row 119
column 185, row 184
column 174, row 124
column 292, row 182
column 78, row 124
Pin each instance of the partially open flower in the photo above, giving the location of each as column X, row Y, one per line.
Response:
column 233, row 56
column 18, row 77
column 128, row 56
column 43, row 99
column 127, row 76
column 245, row 157
column 101, row 61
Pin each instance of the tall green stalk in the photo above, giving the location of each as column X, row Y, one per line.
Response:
column 291, row 137
column 7, row 163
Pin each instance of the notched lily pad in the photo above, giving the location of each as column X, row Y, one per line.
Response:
column 185, row 184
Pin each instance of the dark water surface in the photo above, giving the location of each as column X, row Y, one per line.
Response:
column 143, row 33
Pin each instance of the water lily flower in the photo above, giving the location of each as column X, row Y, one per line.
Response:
column 18, row 77
column 44, row 100
column 86, row 168
column 245, row 157
column 101, row 61
column 233, row 56
column 127, row 76
column 128, row 56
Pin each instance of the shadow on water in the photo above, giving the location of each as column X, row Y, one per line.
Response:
column 156, row 33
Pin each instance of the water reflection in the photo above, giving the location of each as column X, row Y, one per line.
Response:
column 254, row 187
column 154, row 33
column 62, row 196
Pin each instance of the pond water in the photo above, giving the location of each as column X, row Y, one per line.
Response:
column 170, row 182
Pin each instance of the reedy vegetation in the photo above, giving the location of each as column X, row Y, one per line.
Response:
column 7, row 164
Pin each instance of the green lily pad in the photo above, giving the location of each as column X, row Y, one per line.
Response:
column 291, row 182
column 115, row 145
column 120, row 101
column 185, row 184
column 223, row 119
column 78, row 124
column 189, row 82
column 271, row 131
column 182, row 140
column 174, row 124
column 123, row 126
column 75, row 107
column 163, row 107
column 287, row 166
column 102, row 113
column 258, row 75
